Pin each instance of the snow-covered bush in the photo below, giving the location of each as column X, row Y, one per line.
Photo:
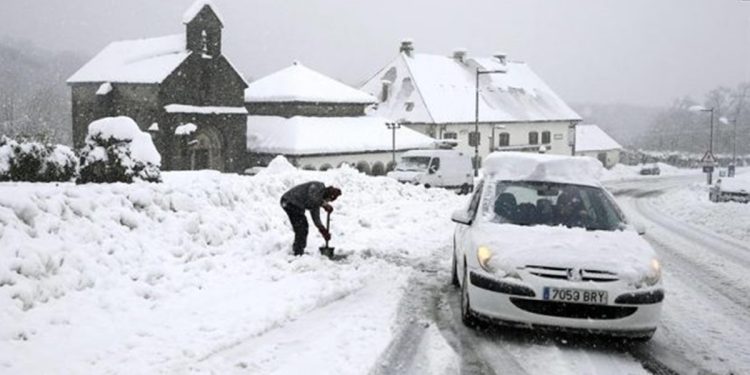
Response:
column 36, row 162
column 117, row 150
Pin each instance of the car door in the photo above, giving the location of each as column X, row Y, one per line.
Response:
column 462, row 236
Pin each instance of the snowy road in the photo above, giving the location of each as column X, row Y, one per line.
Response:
column 703, row 331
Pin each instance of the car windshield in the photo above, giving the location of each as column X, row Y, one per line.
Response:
column 553, row 204
column 413, row 163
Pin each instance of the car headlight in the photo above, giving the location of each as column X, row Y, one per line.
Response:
column 484, row 254
column 654, row 274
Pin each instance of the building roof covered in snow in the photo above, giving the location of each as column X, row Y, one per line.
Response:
column 328, row 135
column 426, row 88
column 298, row 83
column 135, row 61
column 196, row 8
column 592, row 138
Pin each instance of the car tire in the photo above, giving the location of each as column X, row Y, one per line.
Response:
column 467, row 316
column 465, row 189
column 427, row 186
column 454, row 269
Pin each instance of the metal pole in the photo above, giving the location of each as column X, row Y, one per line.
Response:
column 394, row 144
column 476, row 124
column 711, row 145
column 734, row 144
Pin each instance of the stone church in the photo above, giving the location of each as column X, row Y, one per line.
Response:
column 179, row 88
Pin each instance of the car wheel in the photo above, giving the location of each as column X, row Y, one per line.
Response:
column 454, row 268
column 427, row 186
column 467, row 316
column 465, row 189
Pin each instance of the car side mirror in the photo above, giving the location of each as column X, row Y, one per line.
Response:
column 461, row 217
column 639, row 228
column 432, row 169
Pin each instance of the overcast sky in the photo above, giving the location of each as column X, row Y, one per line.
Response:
column 603, row 51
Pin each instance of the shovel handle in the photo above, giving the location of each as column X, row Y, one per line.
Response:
column 328, row 225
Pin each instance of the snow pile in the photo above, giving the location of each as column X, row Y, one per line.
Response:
column 299, row 83
column 117, row 150
column 186, row 129
column 524, row 166
column 36, row 162
column 691, row 204
column 204, row 110
column 145, row 278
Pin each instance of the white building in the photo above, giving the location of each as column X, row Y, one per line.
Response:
column 435, row 95
column 594, row 142
column 320, row 123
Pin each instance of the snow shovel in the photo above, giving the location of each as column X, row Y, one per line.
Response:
column 327, row 250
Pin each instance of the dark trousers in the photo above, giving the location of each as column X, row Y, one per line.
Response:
column 299, row 224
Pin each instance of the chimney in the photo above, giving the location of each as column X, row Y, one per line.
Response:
column 407, row 47
column 459, row 54
column 501, row 57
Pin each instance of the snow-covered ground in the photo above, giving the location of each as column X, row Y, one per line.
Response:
column 627, row 172
column 195, row 274
column 690, row 203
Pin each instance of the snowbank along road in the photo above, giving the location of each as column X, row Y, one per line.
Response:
column 194, row 276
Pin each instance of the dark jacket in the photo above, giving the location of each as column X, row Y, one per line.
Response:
column 307, row 196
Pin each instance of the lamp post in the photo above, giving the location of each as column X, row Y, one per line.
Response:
column 476, row 136
column 393, row 126
column 700, row 108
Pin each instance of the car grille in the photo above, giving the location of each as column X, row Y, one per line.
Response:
column 565, row 273
column 573, row 310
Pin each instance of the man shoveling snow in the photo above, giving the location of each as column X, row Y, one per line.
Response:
column 308, row 196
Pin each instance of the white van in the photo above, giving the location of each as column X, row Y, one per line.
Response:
column 435, row 168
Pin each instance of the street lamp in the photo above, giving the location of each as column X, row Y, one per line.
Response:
column 700, row 108
column 393, row 126
column 475, row 138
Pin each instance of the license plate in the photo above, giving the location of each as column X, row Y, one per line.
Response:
column 598, row 297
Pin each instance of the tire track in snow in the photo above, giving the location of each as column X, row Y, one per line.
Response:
column 707, row 305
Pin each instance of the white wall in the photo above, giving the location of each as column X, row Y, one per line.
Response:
column 519, row 135
column 352, row 159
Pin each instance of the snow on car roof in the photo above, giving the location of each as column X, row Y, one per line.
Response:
column 521, row 166
column 301, row 135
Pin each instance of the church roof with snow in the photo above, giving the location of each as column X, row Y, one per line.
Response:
column 197, row 7
column 135, row 61
column 298, row 83
column 427, row 88
column 593, row 138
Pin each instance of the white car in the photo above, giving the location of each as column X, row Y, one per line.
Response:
column 543, row 244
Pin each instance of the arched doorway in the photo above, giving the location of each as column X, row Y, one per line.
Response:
column 206, row 150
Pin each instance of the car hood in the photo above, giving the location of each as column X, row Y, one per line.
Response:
column 514, row 247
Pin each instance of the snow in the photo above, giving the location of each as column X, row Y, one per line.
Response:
column 523, row 166
column 328, row 135
column 186, row 129
column 135, row 61
column 593, row 138
column 629, row 172
column 197, row 6
column 154, row 127
column 690, row 203
column 104, row 89
column 204, row 110
column 6, row 152
column 124, row 128
column 443, row 90
column 194, row 274
column 298, row 83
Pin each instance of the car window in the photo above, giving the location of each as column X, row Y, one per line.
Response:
column 435, row 164
column 553, row 204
